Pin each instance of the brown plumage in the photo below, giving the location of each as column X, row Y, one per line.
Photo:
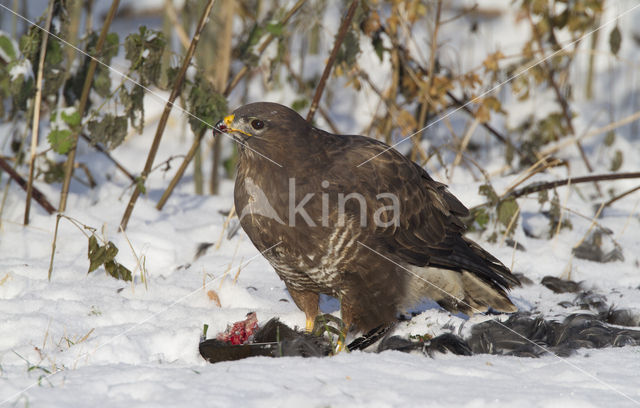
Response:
column 377, row 258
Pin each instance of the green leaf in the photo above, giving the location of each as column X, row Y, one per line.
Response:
column 144, row 49
column 96, row 255
column 60, row 140
column 275, row 28
column 610, row 138
column 617, row 160
column 111, row 251
column 543, row 196
column 482, row 217
column 300, row 104
column 7, row 47
column 488, row 191
column 206, row 104
column 140, row 184
column 118, row 271
column 133, row 106
column 349, row 49
column 507, row 209
column 615, row 40
column 378, row 46
column 254, row 36
column 110, row 47
column 110, row 130
column 93, row 245
column 72, row 120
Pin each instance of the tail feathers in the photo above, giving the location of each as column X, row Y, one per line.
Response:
column 457, row 291
column 481, row 295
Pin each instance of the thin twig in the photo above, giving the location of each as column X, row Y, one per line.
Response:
column 564, row 105
column 35, row 125
column 620, row 196
column 332, row 57
column 425, row 107
column 108, row 155
column 536, row 187
column 486, row 125
column 245, row 69
column 604, row 129
column 232, row 212
column 303, row 88
column 181, row 169
column 173, row 16
column 53, row 247
column 227, row 91
column 165, row 115
column 35, row 193
column 68, row 168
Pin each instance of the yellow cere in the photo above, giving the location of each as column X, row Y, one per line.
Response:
column 228, row 120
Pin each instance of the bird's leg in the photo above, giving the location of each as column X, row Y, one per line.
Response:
column 347, row 316
column 306, row 301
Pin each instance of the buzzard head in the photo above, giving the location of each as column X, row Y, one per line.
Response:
column 264, row 123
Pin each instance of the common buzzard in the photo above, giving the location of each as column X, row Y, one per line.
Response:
column 380, row 235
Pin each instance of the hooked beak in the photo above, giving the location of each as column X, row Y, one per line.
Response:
column 224, row 126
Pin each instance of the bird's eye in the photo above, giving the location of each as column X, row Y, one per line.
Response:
column 257, row 124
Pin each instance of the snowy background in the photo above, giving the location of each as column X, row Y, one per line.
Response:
column 88, row 339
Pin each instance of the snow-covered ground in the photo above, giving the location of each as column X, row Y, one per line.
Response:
column 89, row 339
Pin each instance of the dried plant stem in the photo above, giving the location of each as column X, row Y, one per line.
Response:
column 536, row 187
column 332, row 57
column 177, row 86
column 425, row 108
column 68, row 169
column 302, row 88
column 218, row 75
column 485, row 125
column 604, row 129
column 35, row 193
column 232, row 212
column 183, row 166
column 35, row 124
column 620, row 196
column 463, row 145
column 53, row 246
column 564, row 105
column 173, row 17
column 227, row 91
column 537, row 167
column 510, row 226
column 108, row 156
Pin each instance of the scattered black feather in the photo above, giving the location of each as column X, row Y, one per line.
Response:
column 620, row 317
column 370, row 338
column 202, row 249
column 523, row 279
column 447, row 342
column 590, row 300
column 558, row 285
column 522, row 335
column 526, row 336
column 291, row 342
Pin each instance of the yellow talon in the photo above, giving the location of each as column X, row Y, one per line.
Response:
column 340, row 346
column 309, row 325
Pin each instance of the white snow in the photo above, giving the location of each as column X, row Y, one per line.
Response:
column 91, row 340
